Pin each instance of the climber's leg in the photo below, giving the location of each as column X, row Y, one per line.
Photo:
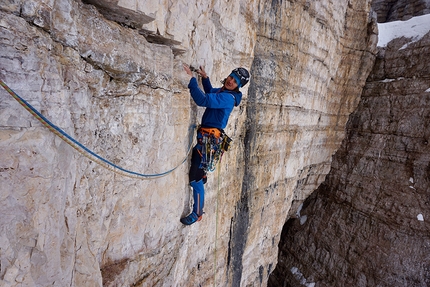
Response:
column 199, row 197
column 197, row 177
column 199, row 201
column 196, row 173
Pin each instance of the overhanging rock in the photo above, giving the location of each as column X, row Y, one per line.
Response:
column 128, row 13
column 122, row 12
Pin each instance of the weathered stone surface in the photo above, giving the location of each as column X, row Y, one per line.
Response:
column 296, row 112
column 367, row 224
column 392, row 10
column 125, row 12
column 67, row 221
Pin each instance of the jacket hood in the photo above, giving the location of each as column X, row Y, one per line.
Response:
column 238, row 98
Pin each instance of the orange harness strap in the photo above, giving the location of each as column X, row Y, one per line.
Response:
column 211, row 131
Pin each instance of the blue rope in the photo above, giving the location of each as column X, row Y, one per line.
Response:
column 84, row 150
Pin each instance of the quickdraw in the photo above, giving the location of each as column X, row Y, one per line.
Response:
column 214, row 143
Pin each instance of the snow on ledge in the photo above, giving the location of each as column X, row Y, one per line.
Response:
column 415, row 28
column 420, row 217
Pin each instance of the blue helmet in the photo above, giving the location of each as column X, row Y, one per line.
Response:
column 241, row 75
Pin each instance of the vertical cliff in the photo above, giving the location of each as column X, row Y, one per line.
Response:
column 109, row 73
column 392, row 10
column 367, row 224
column 306, row 68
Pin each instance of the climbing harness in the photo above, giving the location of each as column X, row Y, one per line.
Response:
column 214, row 143
column 84, row 150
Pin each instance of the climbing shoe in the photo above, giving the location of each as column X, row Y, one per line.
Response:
column 191, row 218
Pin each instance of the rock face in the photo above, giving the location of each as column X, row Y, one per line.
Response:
column 119, row 89
column 367, row 224
column 392, row 10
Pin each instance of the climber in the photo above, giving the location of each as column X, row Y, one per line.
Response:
column 219, row 103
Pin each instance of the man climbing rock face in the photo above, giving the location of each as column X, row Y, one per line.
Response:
column 211, row 139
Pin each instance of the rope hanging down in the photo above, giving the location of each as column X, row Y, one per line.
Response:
column 84, row 150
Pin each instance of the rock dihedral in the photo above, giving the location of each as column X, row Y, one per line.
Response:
column 119, row 89
column 368, row 223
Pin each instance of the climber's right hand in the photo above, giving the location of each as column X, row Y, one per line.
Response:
column 187, row 70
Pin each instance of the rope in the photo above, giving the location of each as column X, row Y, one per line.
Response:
column 84, row 150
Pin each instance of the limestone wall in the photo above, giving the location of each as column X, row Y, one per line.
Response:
column 392, row 10
column 109, row 74
column 368, row 223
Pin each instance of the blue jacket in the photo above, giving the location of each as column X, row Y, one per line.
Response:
column 219, row 103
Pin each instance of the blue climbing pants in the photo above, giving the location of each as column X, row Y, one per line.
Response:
column 199, row 196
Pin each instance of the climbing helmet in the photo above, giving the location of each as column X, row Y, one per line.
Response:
column 241, row 75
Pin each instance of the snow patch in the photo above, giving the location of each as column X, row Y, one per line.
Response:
column 420, row 217
column 303, row 218
column 392, row 80
column 428, row 90
column 298, row 210
column 411, row 179
column 299, row 276
column 414, row 29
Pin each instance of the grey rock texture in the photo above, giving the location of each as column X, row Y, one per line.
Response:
column 392, row 10
column 368, row 223
column 119, row 88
